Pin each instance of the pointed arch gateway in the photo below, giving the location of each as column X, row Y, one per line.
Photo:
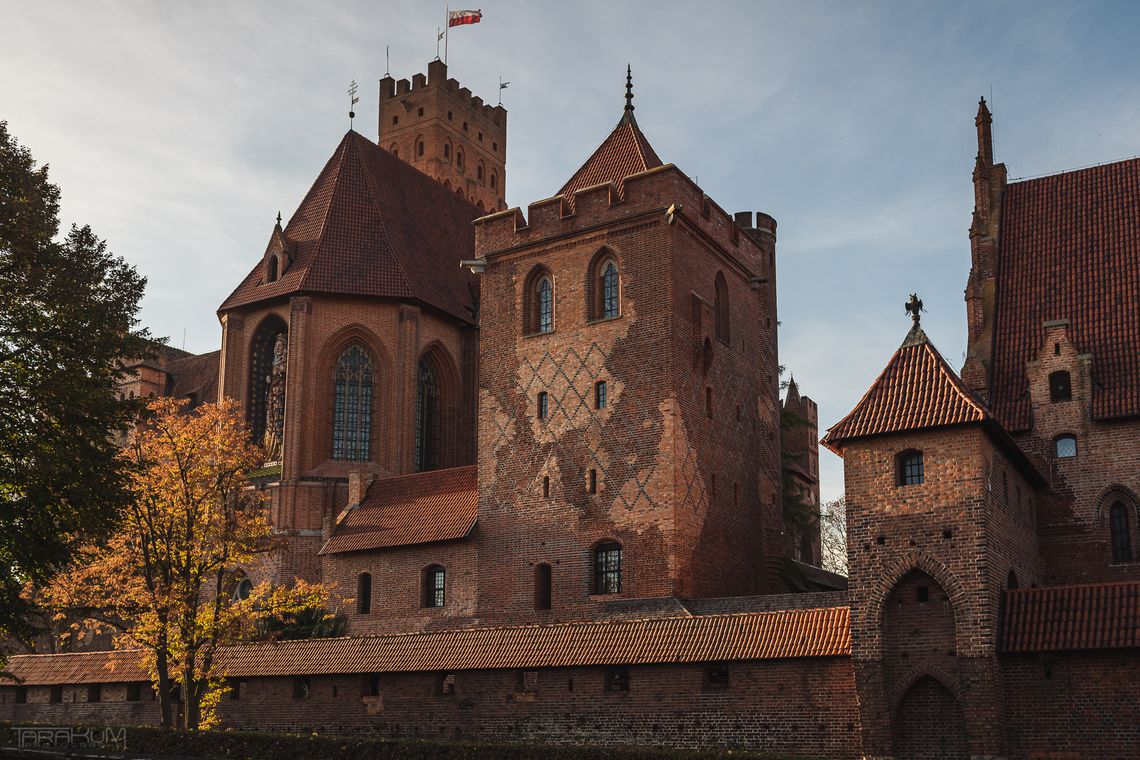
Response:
column 928, row 723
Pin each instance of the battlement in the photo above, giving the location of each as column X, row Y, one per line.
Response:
column 436, row 81
column 656, row 190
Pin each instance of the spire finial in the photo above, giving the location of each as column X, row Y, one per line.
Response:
column 914, row 308
column 278, row 218
column 628, row 88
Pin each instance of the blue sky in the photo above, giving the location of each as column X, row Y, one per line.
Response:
column 177, row 130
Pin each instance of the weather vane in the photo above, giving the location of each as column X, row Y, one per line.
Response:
column 914, row 307
column 354, row 100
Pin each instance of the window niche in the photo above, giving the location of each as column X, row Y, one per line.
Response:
column 364, row 593
column 603, row 287
column 542, row 586
column 1065, row 446
column 607, row 568
column 434, row 584
column 1119, row 518
column 1060, row 387
column 538, row 302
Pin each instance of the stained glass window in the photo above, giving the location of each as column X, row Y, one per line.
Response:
column 352, row 408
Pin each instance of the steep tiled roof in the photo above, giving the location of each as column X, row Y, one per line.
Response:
column 196, row 376
column 1070, row 249
column 624, row 152
column 917, row 390
column 373, row 225
column 1097, row 616
column 755, row 636
column 440, row 505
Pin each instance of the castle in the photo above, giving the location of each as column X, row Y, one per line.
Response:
column 543, row 454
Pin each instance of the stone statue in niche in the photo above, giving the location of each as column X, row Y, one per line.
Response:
column 275, row 400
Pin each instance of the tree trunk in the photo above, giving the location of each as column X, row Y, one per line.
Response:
column 163, row 670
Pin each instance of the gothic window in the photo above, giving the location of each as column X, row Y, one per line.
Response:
column 242, row 589
column 447, row 150
column 1065, row 446
column 459, row 158
column 607, row 568
column 600, row 394
column 1121, row 539
column 542, row 584
column 543, row 405
column 352, row 408
column 364, row 593
column 419, row 147
column 494, row 179
column 721, row 309
column 271, row 269
column 1060, row 387
column 429, row 434
column 260, row 374
column 545, row 305
column 479, row 171
column 434, row 582
column 609, row 290
column 910, row 468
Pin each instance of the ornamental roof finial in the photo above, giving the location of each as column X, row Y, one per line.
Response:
column 914, row 308
column 627, row 115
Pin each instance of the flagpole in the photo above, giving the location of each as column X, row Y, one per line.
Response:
column 446, row 26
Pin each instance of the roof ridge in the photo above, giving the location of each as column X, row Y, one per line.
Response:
column 1072, row 586
column 1074, row 170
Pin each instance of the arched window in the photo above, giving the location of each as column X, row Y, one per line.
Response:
column 260, row 373
column 1011, row 581
column 394, row 150
column 429, row 438
column 479, row 171
column 459, row 158
column 494, row 179
column 419, row 147
column 1060, row 387
column 242, row 589
column 1065, row 446
column 911, row 470
column 447, row 150
column 352, row 407
column 434, row 583
column 609, row 290
column 542, row 586
column 364, row 593
column 1121, row 537
column 607, row 568
column 721, row 309
column 545, row 303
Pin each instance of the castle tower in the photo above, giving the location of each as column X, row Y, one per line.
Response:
column 442, row 130
column 799, row 440
column 629, row 411
column 941, row 507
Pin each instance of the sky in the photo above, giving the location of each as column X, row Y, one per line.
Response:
column 177, row 130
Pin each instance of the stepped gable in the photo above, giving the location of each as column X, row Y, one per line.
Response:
column 1095, row 616
column 820, row 632
column 373, row 225
column 624, row 152
column 438, row 505
column 917, row 390
column 1070, row 250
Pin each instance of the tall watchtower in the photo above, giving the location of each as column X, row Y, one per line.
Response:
column 441, row 129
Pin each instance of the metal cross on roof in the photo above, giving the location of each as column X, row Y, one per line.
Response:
column 914, row 307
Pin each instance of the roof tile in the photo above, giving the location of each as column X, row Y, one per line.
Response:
column 1095, row 616
column 373, row 225
column 821, row 632
column 916, row 390
column 1070, row 249
column 439, row 505
column 624, row 152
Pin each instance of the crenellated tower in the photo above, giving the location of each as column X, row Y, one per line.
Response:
column 440, row 128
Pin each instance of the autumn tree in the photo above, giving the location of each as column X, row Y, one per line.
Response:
column 166, row 581
column 67, row 313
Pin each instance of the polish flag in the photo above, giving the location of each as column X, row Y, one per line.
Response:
column 459, row 18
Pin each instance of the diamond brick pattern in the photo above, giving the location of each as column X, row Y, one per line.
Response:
column 1070, row 249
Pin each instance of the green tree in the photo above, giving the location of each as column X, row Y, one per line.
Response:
column 67, row 313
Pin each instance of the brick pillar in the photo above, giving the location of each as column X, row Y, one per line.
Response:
column 407, row 359
column 231, row 365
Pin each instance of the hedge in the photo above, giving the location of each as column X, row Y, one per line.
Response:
column 248, row 745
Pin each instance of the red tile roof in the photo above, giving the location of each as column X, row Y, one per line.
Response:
column 1097, row 616
column 123, row 666
column 624, row 152
column 1070, row 249
column 373, row 225
column 917, row 390
column 195, row 376
column 751, row 636
column 440, row 505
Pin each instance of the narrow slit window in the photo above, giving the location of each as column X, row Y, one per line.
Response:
column 542, row 586
column 600, row 394
column 1121, row 538
column 434, row 585
column 543, row 405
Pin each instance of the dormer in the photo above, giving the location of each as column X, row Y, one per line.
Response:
column 1060, row 383
column 278, row 255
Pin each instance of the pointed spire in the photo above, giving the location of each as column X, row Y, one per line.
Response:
column 627, row 115
column 793, row 396
column 278, row 218
column 985, row 135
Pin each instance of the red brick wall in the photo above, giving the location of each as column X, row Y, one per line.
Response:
column 654, row 448
column 113, row 707
column 1073, row 705
column 450, row 116
column 397, row 592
